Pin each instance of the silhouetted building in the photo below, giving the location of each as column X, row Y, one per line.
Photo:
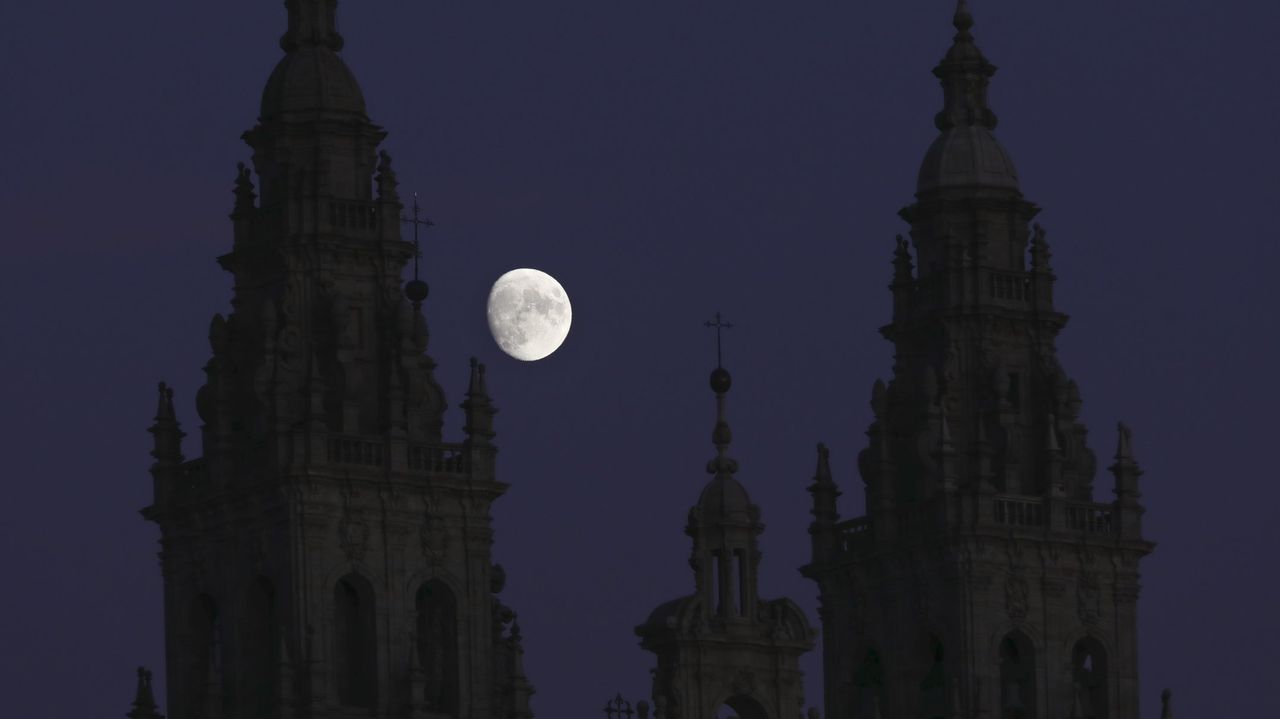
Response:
column 985, row 580
column 329, row 554
column 724, row 644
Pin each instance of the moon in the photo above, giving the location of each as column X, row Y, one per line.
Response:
column 529, row 314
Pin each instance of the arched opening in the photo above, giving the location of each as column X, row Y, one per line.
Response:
column 740, row 706
column 204, row 656
column 354, row 642
column 1017, row 677
column 260, row 642
column 1089, row 680
column 868, row 682
column 933, row 688
column 438, row 645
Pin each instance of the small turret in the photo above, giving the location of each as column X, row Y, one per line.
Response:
column 824, row 489
column 1053, row 458
column 479, row 408
column 903, row 276
column 144, row 702
column 168, row 444
column 1126, row 472
column 825, row 516
column 521, row 689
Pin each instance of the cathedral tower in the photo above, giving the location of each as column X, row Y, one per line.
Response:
column 986, row 579
column 723, row 644
column 329, row 554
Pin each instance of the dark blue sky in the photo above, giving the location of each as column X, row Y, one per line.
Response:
column 663, row 160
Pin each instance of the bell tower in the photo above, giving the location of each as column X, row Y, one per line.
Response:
column 723, row 644
column 329, row 554
column 986, row 580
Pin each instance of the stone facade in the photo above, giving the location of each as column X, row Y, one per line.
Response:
column 329, row 554
column 985, row 580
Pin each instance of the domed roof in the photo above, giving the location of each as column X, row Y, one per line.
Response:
column 667, row 614
column 966, row 156
column 312, row 79
column 724, row 496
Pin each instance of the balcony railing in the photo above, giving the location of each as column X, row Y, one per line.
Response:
column 437, row 458
column 1019, row 512
column 1004, row 286
column 342, row 450
column 1091, row 518
column 852, row 532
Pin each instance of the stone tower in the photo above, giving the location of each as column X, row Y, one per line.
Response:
column 724, row 644
column 329, row 554
column 986, row 579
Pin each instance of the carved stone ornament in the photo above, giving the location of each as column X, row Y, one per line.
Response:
column 1088, row 598
column 353, row 536
column 1015, row 596
column 434, row 540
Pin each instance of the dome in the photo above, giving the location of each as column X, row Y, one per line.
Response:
column 311, row 79
column 667, row 614
column 724, row 496
column 967, row 156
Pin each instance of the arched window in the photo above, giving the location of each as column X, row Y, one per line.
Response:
column 438, row 645
column 933, row 688
column 868, row 679
column 1089, row 680
column 1017, row 677
column 354, row 642
column 204, row 657
column 260, row 643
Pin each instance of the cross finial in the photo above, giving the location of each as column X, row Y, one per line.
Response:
column 719, row 325
column 417, row 222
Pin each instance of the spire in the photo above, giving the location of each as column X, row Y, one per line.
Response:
column 521, row 689
column 722, row 465
column 1125, row 469
column 478, row 407
column 311, row 24
column 168, row 435
column 144, row 702
column 964, row 73
column 824, row 492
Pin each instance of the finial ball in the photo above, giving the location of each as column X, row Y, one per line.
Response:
column 415, row 290
column 720, row 380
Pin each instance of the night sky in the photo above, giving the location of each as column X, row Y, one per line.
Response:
column 664, row 160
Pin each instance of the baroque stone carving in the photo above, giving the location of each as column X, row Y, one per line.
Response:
column 1088, row 598
column 1016, row 596
column 353, row 536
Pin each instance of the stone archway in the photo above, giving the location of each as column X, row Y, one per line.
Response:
column 742, row 707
